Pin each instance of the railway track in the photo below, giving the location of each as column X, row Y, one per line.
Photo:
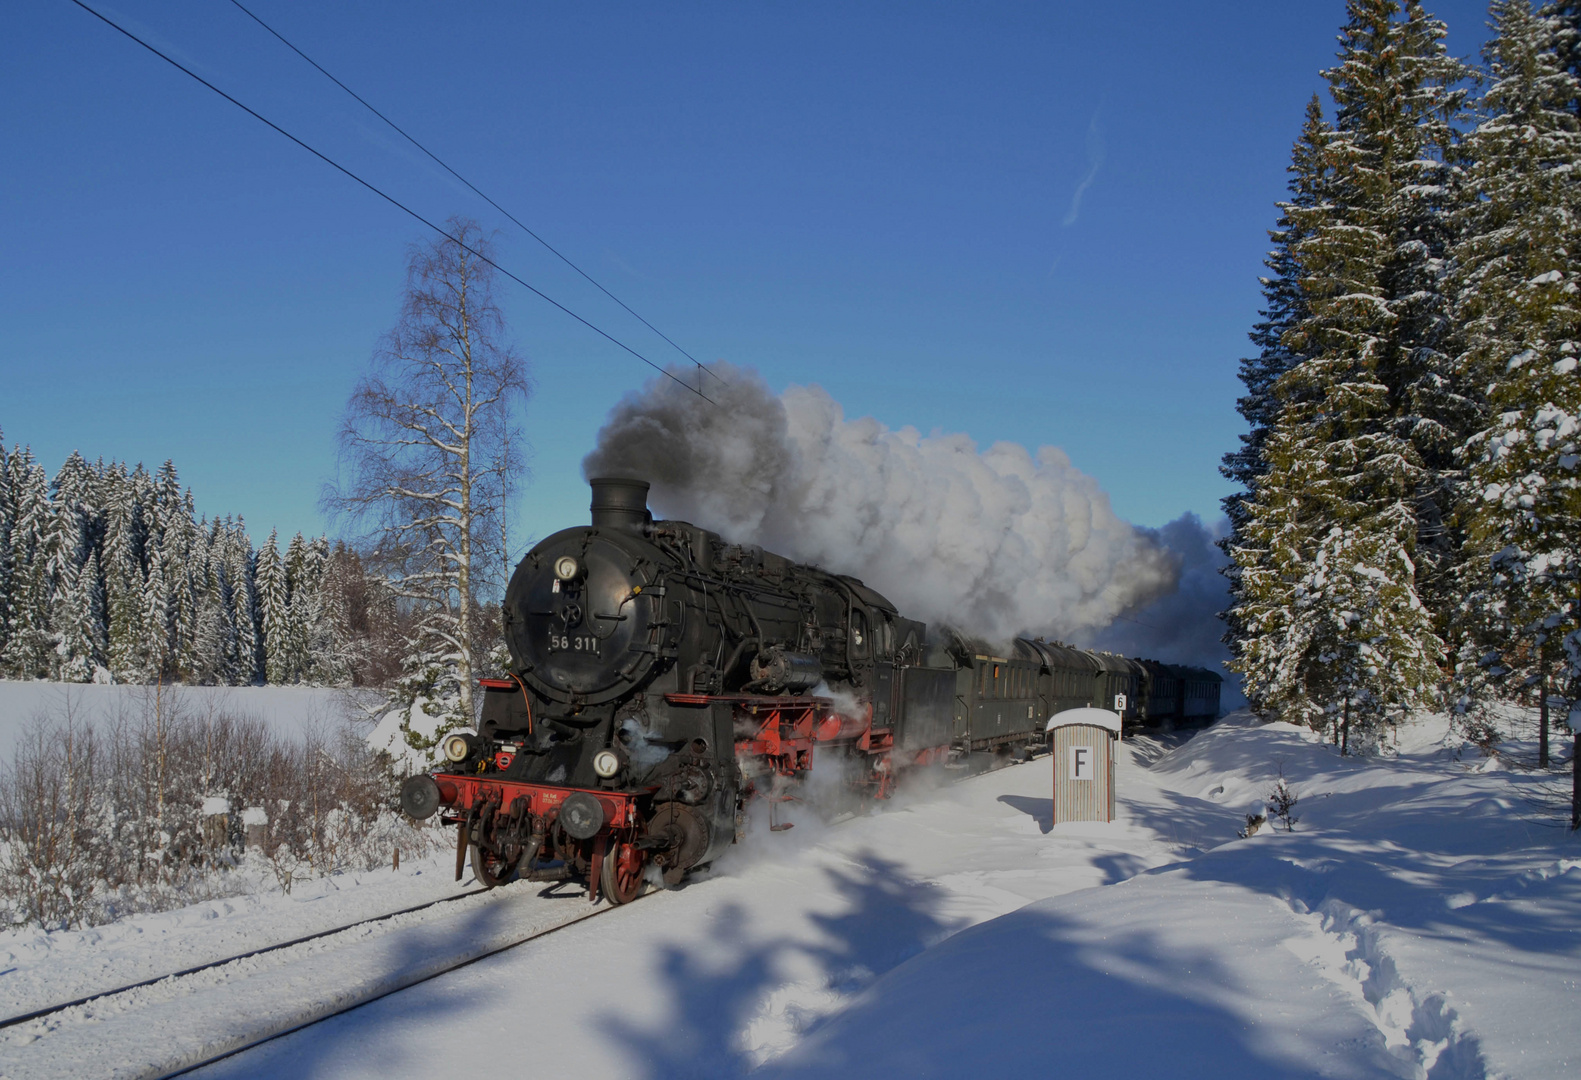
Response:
column 61, row 1006
column 184, row 1020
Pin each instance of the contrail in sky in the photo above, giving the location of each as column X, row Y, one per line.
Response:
column 1094, row 162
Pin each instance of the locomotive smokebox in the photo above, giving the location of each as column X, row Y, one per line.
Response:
column 620, row 504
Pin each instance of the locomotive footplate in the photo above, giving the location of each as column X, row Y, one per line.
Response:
column 508, row 825
column 460, row 794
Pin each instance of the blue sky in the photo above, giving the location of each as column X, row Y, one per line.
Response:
column 1032, row 222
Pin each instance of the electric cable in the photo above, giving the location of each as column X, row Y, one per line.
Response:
column 470, row 186
column 392, row 200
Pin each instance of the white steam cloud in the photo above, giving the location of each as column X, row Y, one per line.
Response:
column 995, row 542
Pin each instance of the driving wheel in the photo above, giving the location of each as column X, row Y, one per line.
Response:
column 621, row 876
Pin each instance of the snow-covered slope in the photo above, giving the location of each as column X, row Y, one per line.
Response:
column 1424, row 919
column 1420, row 921
column 287, row 709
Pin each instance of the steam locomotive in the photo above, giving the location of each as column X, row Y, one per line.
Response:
column 662, row 679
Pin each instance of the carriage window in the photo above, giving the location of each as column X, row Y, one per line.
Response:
column 858, row 633
column 886, row 638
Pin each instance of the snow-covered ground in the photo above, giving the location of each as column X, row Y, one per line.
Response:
column 288, row 710
column 1423, row 919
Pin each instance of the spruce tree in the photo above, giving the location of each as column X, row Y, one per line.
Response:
column 1284, row 307
column 175, row 533
column 70, row 542
column 1521, row 326
column 27, row 640
column 1334, row 621
column 123, row 575
column 241, row 572
column 275, row 614
column 7, row 520
column 1397, row 94
column 154, row 631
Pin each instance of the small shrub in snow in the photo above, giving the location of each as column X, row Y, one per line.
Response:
column 1282, row 801
column 1483, row 733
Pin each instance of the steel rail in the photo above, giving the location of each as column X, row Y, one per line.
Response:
column 47, row 1010
column 379, row 994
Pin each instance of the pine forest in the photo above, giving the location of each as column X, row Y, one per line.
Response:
column 108, row 575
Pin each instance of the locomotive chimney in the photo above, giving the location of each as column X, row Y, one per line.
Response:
column 620, row 504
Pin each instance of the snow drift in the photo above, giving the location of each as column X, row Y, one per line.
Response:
column 996, row 542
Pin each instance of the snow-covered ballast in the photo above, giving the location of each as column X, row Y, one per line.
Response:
column 1082, row 742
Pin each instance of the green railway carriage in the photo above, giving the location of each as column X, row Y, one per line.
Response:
column 1201, row 692
column 1004, row 698
column 1179, row 694
column 1069, row 674
column 1118, row 686
column 1163, row 693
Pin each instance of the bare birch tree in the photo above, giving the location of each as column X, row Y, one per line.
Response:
column 429, row 445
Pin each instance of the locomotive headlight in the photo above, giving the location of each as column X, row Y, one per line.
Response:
column 457, row 747
column 566, row 568
column 606, row 763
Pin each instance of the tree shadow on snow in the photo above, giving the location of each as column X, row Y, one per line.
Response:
column 1183, row 820
column 1118, row 866
column 1037, row 993
column 715, row 989
column 361, row 1040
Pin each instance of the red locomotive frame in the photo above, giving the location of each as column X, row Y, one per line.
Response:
column 777, row 738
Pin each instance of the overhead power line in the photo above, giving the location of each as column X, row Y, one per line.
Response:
column 392, row 200
column 470, row 186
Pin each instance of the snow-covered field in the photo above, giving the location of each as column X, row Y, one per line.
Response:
column 1424, row 919
column 286, row 709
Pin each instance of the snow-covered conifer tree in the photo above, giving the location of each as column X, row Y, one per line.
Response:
column 313, row 606
column 275, row 614
column 175, row 533
column 214, row 646
column 123, row 573
column 1564, row 20
column 1284, row 307
column 7, row 519
column 1520, row 320
column 28, row 643
column 1397, row 93
column 240, row 570
column 290, row 646
column 70, row 544
column 1368, row 418
column 154, row 630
